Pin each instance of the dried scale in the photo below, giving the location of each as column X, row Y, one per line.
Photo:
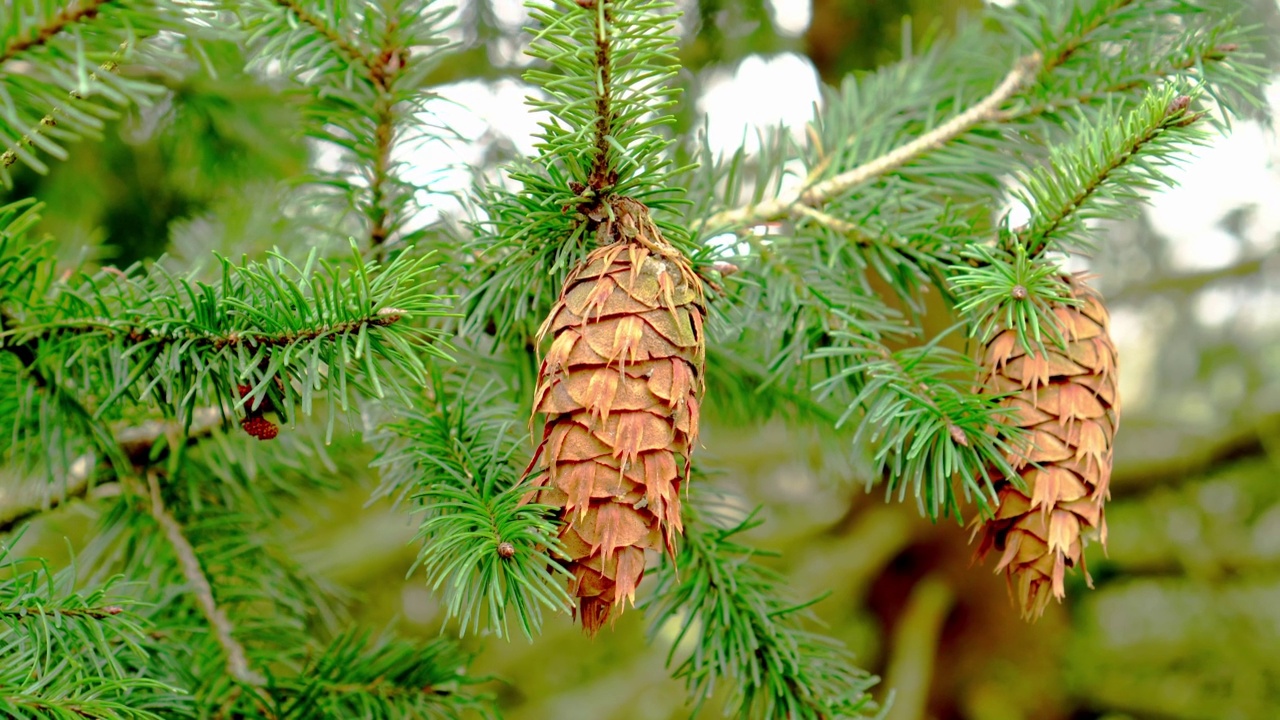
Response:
column 1065, row 397
column 619, row 388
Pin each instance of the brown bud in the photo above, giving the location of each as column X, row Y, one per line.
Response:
column 725, row 268
column 506, row 550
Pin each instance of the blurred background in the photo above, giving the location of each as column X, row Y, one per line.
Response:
column 1184, row 619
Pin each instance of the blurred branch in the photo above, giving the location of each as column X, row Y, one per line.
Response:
column 1196, row 458
column 915, row 648
column 59, row 22
column 1188, row 283
column 237, row 662
column 986, row 109
column 136, row 443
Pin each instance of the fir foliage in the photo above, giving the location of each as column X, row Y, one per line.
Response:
column 459, row 464
column 606, row 75
column 71, row 653
column 831, row 253
column 59, row 68
column 745, row 638
column 365, row 68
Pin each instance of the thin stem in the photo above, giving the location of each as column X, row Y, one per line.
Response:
column 987, row 109
column 1175, row 116
column 96, row 613
column 42, row 34
column 602, row 175
column 347, row 48
column 237, row 662
column 384, row 73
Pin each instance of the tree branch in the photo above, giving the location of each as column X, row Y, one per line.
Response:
column 1190, row 454
column 10, row 155
column 136, row 443
column 17, row 612
column 915, row 648
column 1191, row 282
column 42, row 34
column 1215, row 54
column 346, row 47
column 815, row 195
column 382, row 68
column 602, row 176
column 1036, row 238
column 237, row 662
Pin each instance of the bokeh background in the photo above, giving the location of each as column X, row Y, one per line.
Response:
column 1184, row 618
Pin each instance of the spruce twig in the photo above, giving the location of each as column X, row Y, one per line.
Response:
column 10, row 155
column 382, row 67
column 1077, row 178
column 36, row 36
column 787, row 204
column 237, row 662
column 1218, row 53
column 603, row 175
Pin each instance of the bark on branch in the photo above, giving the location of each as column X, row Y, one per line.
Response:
column 815, row 195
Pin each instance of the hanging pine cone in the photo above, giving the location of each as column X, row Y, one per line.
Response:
column 619, row 388
column 1066, row 400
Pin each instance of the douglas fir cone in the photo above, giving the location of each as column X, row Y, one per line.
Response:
column 1065, row 398
column 620, row 388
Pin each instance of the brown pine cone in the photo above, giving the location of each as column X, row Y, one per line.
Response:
column 620, row 389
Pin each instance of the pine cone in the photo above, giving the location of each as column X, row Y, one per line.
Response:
column 1067, row 401
column 620, row 389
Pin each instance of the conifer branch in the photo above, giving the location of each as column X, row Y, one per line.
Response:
column 389, row 70
column 82, row 11
column 55, row 48
column 134, row 442
column 345, row 46
column 18, row 612
column 602, row 175
column 927, row 427
column 237, row 662
column 745, row 632
column 50, row 120
column 461, row 467
column 382, row 69
column 1075, row 38
column 817, row 194
column 1216, row 53
column 1107, row 168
